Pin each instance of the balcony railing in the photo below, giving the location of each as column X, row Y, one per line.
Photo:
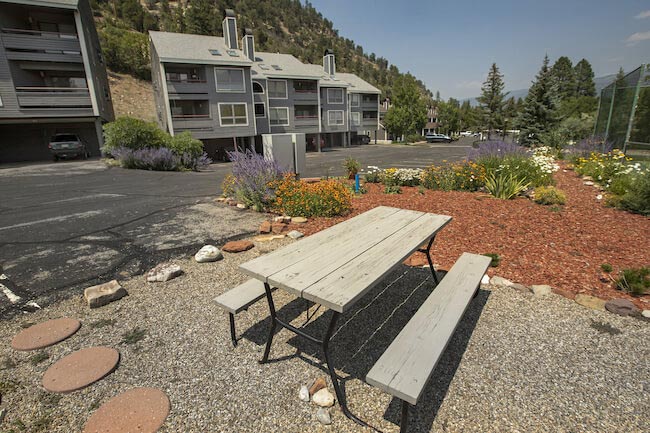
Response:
column 53, row 97
column 47, row 42
column 190, row 116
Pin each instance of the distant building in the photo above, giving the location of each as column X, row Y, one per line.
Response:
column 432, row 121
column 227, row 96
column 52, row 77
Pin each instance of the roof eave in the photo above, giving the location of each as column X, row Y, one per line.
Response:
column 223, row 62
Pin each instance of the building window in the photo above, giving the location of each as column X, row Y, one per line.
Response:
column 356, row 118
column 279, row 116
column 259, row 110
column 305, row 86
column 334, row 96
column 306, row 112
column 184, row 109
column 369, row 99
column 229, row 80
column 257, row 87
column 277, row 89
column 335, row 117
column 233, row 114
column 369, row 115
column 1, row 104
column 185, row 75
column 354, row 99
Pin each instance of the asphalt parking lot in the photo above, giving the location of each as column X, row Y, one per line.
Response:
column 67, row 225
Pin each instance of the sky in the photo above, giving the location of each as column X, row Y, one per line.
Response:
column 451, row 44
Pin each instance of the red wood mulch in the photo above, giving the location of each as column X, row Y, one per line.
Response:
column 537, row 246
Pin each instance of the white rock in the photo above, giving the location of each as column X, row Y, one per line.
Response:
column 485, row 279
column 298, row 220
column 242, row 206
column 541, row 290
column 208, row 253
column 295, row 234
column 589, row 183
column 102, row 294
column 164, row 272
column 599, row 197
column 500, row 281
column 282, row 219
column 304, row 393
column 323, row 398
column 323, row 415
column 646, row 313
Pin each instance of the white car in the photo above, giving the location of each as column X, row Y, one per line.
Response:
column 437, row 138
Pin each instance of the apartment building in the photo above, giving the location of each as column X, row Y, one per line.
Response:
column 227, row 95
column 52, row 77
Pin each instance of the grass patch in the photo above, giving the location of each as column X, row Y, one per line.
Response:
column 7, row 363
column 606, row 267
column 39, row 357
column 634, row 281
column 7, row 386
column 604, row 328
column 103, row 323
column 49, row 399
column 134, row 336
column 496, row 259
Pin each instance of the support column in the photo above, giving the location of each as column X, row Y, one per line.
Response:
column 318, row 142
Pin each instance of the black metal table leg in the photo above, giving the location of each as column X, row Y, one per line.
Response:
column 427, row 251
column 269, row 339
column 405, row 417
column 233, row 335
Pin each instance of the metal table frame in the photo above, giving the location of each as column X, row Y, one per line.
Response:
column 324, row 342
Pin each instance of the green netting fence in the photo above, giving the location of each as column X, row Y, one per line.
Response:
column 624, row 112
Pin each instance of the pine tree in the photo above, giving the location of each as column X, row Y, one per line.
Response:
column 491, row 100
column 509, row 115
column 539, row 114
column 200, row 18
column 565, row 77
column 584, row 79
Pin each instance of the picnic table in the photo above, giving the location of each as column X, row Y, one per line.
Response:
column 338, row 266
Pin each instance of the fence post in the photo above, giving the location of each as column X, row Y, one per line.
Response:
column 630, row 123
column 611, row 108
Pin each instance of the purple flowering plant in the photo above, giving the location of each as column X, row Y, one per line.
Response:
column 252, row 174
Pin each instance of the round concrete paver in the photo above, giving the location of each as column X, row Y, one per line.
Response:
column 139, row 410
column 80, row 369
column 45, row 334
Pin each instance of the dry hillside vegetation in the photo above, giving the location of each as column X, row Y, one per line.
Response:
column 132, row 97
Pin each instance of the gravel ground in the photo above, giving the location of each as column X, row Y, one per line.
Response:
column 516, row 362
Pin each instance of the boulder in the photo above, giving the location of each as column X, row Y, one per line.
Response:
column 323, row 416
column 237, row 246
column 103, row 294
column 295, row 234
column 565, row 293
column 622, row 307
column 318, row 384
column 540, row 290
column 265, row 227
column 209, row 253
column 278, row 228
column 164, row 272
column 298, row 220
column 304, row 393
column 323, row 398
column 500, row 281
column 646, row 313
column 590, row 301
column 520, row 288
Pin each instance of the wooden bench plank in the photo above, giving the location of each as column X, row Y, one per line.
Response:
column 340, row 289
column 338, row 252
column 405, row 367
column 268, row 264
column 241, row 297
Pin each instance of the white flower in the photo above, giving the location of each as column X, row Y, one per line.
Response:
column 599, row 197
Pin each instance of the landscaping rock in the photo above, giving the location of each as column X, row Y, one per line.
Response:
column 646, row 313
column 298, row 220
column 242, row 206
column 323, row 416
column 566, row 293
column 295, row 234
column 209, row 253
column 540, row 290
column 237, row 246
column 590, row 302
column 520, row 288
column 103, row 294
column 164, row 272
column 323, row 398
column 265, row 227
column 500, row 281
column 266, row 238
column 278, row 228
column 232, row 203
column 622, row 307
column 589, row 183
column 3, row 413
column 318, row 384
column 282, row 219
column 304, row 393
column 220, row 199
column 486, row 279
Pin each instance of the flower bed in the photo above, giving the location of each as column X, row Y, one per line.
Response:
column 563, row 247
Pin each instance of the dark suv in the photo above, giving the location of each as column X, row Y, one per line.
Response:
column 67, row 146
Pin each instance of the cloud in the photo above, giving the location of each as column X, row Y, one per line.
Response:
column 637, row 37
column 642, row 15
column 469, row 85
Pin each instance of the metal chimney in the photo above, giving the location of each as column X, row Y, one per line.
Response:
column 230, row 29
column 248, row 44
column 329, row 63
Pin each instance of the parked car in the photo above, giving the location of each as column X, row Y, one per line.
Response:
column 67, row 146
column 360, row 139
column 438, row 138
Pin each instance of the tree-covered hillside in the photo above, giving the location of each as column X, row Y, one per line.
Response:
column 285, row 26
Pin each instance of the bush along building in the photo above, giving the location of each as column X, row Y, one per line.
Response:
column 52, row 77
column 227, row 96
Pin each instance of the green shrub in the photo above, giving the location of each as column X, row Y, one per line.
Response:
column 496, row 259
column 606, row 267
column 549, row 195
column 126, row 51
column 392, row 189
column 351, row 165
column 134, row 134
column 414, row 138
column 635, row 281
column 183, row 143
column 505, row 185
column 637, row 197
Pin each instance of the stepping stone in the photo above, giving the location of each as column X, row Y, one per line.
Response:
column 139, row 410
column 45, row 334
column 80, row 369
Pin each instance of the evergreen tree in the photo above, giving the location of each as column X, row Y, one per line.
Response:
column 491, row 100
column 200, row 18
column 620, row 77
column 509, row 115
column 584, row 79
column 539, row 114
column 565, row 78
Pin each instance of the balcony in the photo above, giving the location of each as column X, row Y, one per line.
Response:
column 44, row 46
column 187, row 86
column 305, row 96
column 54, row 97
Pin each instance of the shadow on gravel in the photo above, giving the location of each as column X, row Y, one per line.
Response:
column 364, row 333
